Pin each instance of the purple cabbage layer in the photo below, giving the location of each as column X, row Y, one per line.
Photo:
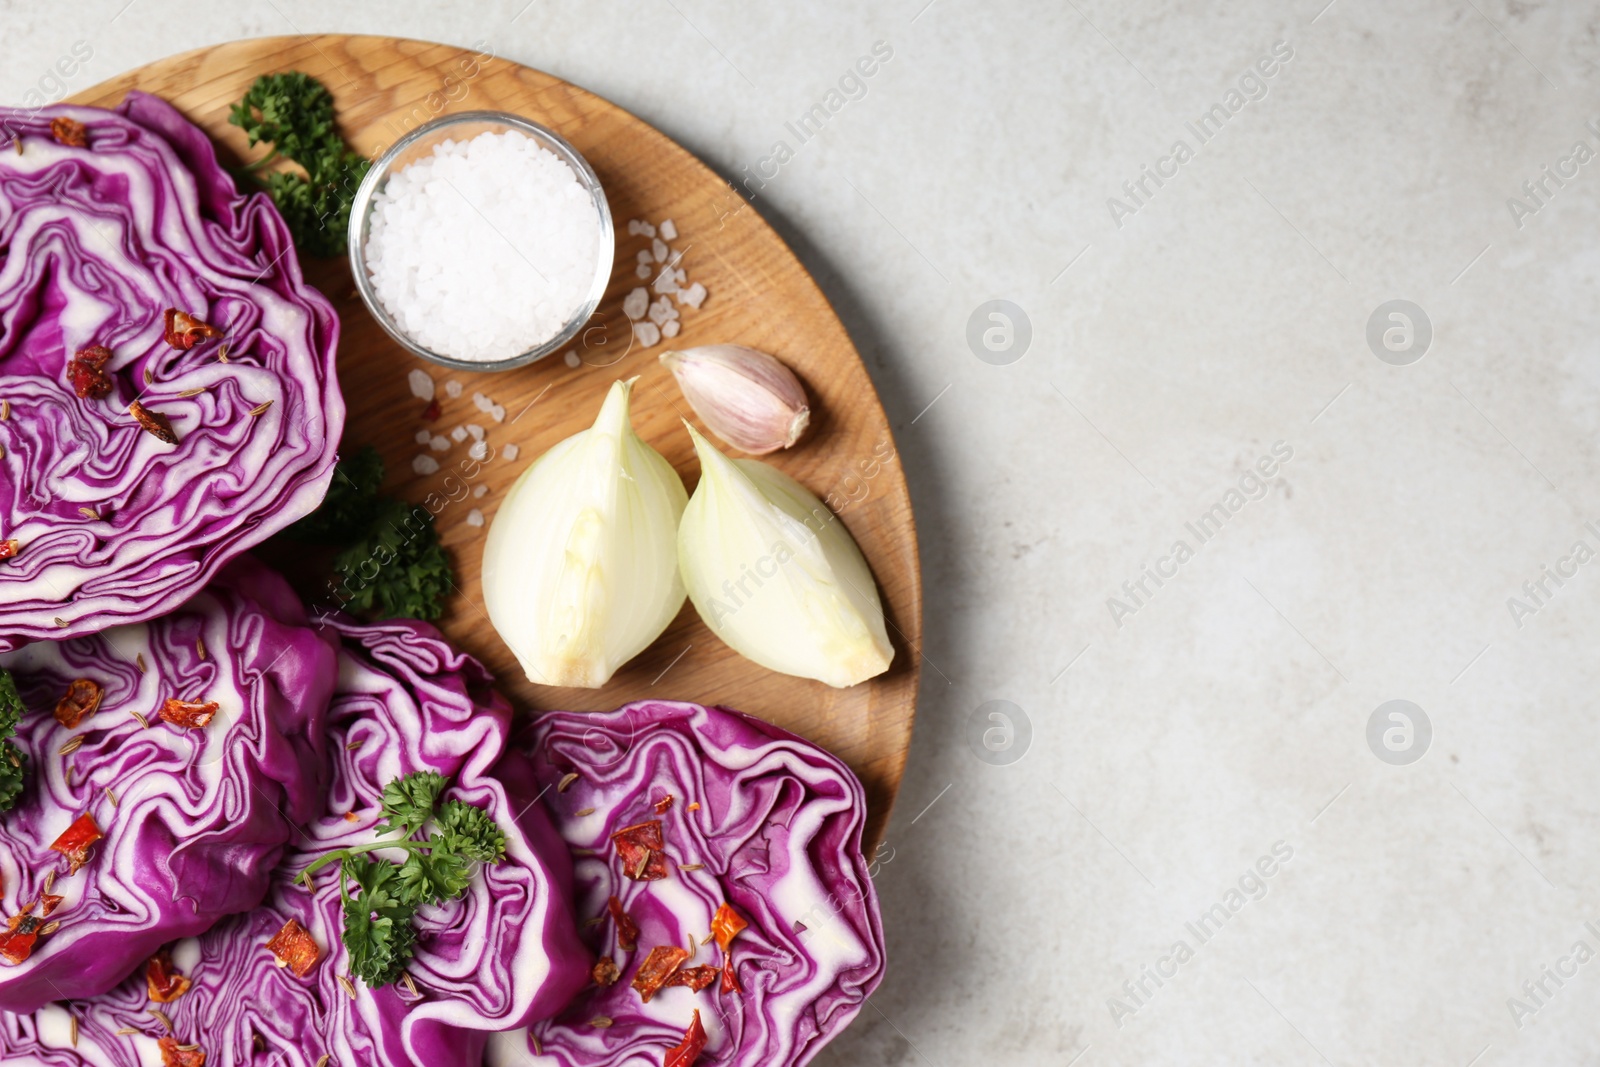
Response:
column 503, row 955
column 113, row 525
column 195, row 819
column 778, row 835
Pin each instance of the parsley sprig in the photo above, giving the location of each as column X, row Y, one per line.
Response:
column 390, row 562
column 378, row 933
column 293, row 112
column 13, row 761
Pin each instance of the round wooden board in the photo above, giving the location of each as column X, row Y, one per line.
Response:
column 759, row 295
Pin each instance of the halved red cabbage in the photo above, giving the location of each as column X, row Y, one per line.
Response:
column 506, row 953
column 195, row 819
column 112, row 524
column 778, row 830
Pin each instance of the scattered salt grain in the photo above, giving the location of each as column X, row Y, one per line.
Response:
column 425, row 465
column 482, row 490
column 439, row 444
column 669, row 328
column 642, row 270
column 659, row 311
column 483, row 403
column 644, row 256
column 458, row 434
column 474, row 517
column 423, row 437
column 647, row 229
column 485, row 248
column 452, row 389
column 633, row 227
column 666, row 282
column 421, row 383
column 694, row 296
column 667, row 230
column 572, row 358
column 647, row 333
column 497, row 413
column 510, row 452
column 659, row 249
column 635, row 303
column 479, row 449
column 475, row 430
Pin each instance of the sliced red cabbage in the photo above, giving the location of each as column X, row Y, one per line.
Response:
column 194, row 819
column 778, row 830
column 112, row 524
column 506, row 953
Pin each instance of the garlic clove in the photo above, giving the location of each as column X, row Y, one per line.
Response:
column 580, row 564
column 746, row 397
column 776, row 575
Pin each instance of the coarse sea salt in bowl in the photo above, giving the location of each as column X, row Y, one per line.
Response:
column 481, row 241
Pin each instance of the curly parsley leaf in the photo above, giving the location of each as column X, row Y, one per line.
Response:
column 471, row 832
column 399, row 568
column 293, row 112
column 391, row 563
column 13, row 761
column 11, row 708
column 378, row 932
column 436, row 877
column 408, row 802
column 346, row 513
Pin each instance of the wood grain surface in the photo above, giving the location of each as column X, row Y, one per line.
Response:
column 759, row 295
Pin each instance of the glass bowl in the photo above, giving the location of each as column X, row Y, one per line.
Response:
column 418, row 144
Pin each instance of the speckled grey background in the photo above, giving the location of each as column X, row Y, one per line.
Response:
column 1176, row 337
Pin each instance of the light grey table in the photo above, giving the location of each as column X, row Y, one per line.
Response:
column 1180, row 721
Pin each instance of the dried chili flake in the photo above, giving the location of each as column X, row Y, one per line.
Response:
column 663, row 804
column 657, row 968
column 191, row 714
column 693, row 807
column 23, row 930
column 176, row 1055
column 696, row 978
column 69, row 132
column 639, row 847
column 432, row 412
column 605, row 972
column 83, row 697
column 725, row 926
column 16, row 943
column 153, row 421
column 49, row 903
column 87, row 375
column 9, row 547
column 627, row 930
column 184, row 331
column 162, row 982
column 694, row 1043
column 294, row 947
column 76, row 840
